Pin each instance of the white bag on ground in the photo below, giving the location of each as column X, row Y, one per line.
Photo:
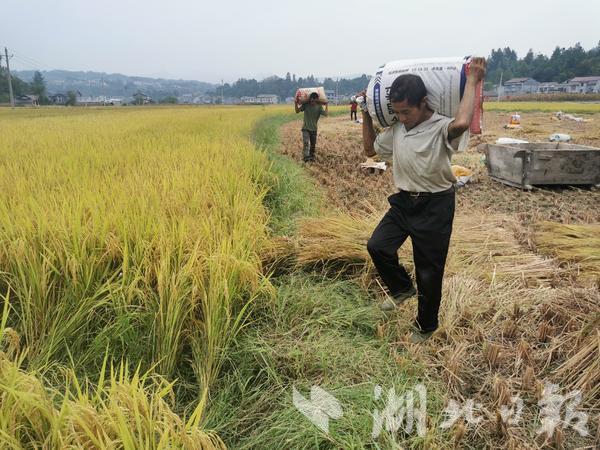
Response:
column 508, row 140
column 303, row 94
column 444, row 79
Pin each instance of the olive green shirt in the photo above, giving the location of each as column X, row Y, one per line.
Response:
column 311, row 116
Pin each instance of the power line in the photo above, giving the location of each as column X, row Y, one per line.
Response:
column 27, row 63
column 33, row 61
column 40, row 66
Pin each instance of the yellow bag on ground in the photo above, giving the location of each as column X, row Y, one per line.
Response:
column 462, row 175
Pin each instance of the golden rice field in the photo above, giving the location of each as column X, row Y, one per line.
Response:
column 567, row 107
column 129, row 248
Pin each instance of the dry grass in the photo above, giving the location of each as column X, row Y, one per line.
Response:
column 511, row 318
column 579, row 244
column 508, row 319
column 481, row 245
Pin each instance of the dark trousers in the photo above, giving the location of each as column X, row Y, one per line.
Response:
column 427, row 219
column 309, row 140
column 352, row 114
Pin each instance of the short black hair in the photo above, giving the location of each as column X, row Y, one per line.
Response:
column 408, row 87
column 313, row 96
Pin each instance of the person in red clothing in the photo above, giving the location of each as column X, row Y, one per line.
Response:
column 353, row 108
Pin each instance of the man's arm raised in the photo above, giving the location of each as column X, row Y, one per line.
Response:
column 368, row 132
column 463, row 118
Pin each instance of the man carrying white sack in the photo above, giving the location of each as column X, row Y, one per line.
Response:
column 313, row 110
column 420, row 145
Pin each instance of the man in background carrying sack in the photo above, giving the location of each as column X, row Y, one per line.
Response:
column 313, row 110
column 420, row 145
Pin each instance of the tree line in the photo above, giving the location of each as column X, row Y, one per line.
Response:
column 36, row 87
column 561, row 65
column 503, row 63
column 287, row 86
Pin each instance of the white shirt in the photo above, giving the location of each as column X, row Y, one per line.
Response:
column 420, row 156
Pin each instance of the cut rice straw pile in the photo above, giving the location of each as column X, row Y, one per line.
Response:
column 510, row 319
column 483, row 245
column 579, row 244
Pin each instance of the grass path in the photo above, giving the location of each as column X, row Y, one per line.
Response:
column 318, row 331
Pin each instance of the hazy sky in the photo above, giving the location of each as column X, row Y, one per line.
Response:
column 228, row 39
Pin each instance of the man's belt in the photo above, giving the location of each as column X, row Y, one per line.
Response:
column 427, row 194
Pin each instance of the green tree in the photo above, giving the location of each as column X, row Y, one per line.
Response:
column 38, row 87
column 71, row 98
column 19, row 86
column 169, row 100
column 139, row 98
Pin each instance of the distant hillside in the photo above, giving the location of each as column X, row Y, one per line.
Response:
column 114, row 84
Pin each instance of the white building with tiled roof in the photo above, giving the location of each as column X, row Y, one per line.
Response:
column 584, row 85
column 518, row 86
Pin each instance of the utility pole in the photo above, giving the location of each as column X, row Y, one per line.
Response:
column 102, row 90
column 10, row 91
column 222, row 89
column 500, row 88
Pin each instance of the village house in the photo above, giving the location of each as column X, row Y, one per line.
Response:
column 267, row 99
column 490, row 95
column 58, row 98
column 551, row 87
column 584, row 85
column 139, row 98
column 520, row 86
column 26, row 100
column 185, row 99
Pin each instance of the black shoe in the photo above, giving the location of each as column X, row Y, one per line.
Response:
column 393, row 302
column 418, row 337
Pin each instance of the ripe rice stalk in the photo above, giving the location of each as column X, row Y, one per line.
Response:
column 510, row 328
column 486, row 245
column 501, row 428
column 559, row 438
column 582, row 369
column 528, row 381
column 279, row 254
column 500, row 391
column 579, row 244
column 460, row 306
column 129, row 410
column 454, row 362
column 543, row 332
column 459, row 432
column 140, row 230
column 523, row 353
column 492, row 352
column 341, row 240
